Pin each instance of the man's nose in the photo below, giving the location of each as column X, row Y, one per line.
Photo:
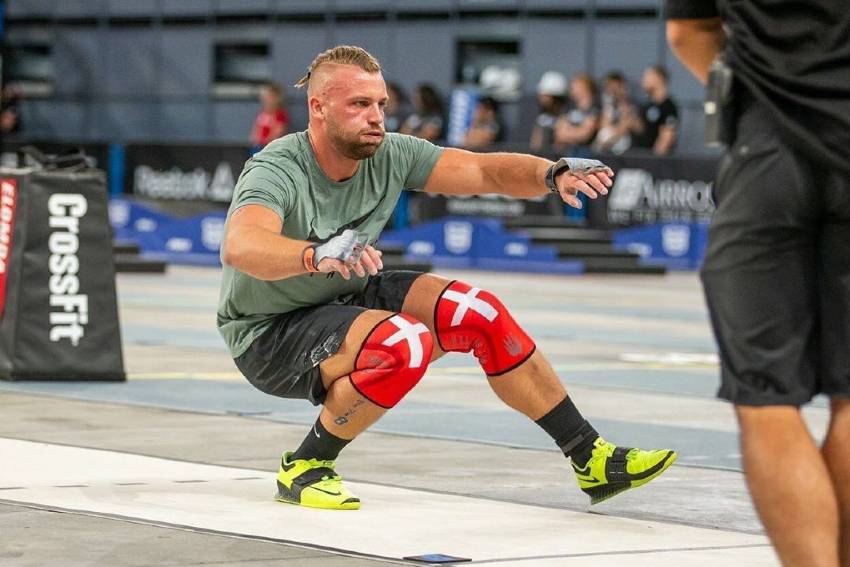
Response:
column 376, row 114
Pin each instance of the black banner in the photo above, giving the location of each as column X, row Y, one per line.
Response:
column 649, row 190
column 184, row 172
column 61, row 314
column 425, row 207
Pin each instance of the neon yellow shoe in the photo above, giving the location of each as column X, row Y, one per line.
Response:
column 313, row 483
column 612, row 470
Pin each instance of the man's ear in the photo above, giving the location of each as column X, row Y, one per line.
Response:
column 316, row 106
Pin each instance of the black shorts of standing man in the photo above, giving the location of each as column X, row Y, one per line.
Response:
column 777, row 269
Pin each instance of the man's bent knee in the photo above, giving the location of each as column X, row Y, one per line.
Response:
column 470, row 319
column 392, row 360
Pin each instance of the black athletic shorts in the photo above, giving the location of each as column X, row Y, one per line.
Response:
column 777, row 270
column 284, row 361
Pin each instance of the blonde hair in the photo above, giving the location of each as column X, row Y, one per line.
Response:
column 341, row 55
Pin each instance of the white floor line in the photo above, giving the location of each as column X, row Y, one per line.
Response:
column 394, row 522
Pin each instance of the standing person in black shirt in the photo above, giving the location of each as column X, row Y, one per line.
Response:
column 576, row 128
column 426, row 121
column 777, row 268
column 657, row 122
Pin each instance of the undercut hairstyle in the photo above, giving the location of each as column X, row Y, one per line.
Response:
column 341, row 55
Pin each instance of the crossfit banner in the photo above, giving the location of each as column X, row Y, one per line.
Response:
column 8, row 202
column 61, row 320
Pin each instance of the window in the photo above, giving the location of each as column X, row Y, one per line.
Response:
column 240, row 68
column 31, row 68
column 493, row 65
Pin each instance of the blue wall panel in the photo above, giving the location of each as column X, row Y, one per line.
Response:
column 132, row 8
column 78, row 8
column 131, row 63
column 553, row 46
column 123, row 121
column 180, row 121
column 232, row 120
column 374, row 37
column 186, row 62
column 60, row 120
column 425, row 53
column 294, row 46
column 627, row 45
column 78, row 60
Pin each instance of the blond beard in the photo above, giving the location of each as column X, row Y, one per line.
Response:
column 350, row 146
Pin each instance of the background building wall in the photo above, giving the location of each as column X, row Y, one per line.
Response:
column 144, row 69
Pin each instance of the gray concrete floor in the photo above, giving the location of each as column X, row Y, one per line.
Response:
column 635, row 353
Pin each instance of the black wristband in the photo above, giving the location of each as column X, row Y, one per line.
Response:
column 553, row 172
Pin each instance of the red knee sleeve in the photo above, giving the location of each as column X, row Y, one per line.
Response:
column 392, row 360
column 470, row 319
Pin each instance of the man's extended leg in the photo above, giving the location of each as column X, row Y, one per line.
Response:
column 382, row 357
column 790, row 485
column 836, row 451
column 465, row 319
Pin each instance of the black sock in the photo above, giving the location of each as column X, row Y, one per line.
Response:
column 320, row 444
column 573, row 434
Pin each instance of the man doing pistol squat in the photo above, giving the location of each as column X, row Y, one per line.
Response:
column 307, row 311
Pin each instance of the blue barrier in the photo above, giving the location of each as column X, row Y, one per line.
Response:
column 677, row 246
column 193, row 240
column 460, row 242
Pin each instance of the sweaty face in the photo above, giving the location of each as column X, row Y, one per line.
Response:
column 354, row 116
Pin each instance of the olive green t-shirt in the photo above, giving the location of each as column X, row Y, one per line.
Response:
column 286, row 178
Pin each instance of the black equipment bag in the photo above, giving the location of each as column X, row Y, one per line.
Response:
column 58, row 306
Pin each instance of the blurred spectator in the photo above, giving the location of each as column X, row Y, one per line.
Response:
column 427, row 118
column 273, row 120
column 486, row 128
column 658, row 120
column 577, row 128
column 617, row 114
column 396, row 109
column 10, row 112
column 551, row 99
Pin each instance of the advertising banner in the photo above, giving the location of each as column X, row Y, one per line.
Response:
column 60, row 315
column 184, row 172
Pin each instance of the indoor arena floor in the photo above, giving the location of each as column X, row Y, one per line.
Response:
column 176, row 466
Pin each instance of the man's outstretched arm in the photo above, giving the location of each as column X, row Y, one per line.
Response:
column 460, row 172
